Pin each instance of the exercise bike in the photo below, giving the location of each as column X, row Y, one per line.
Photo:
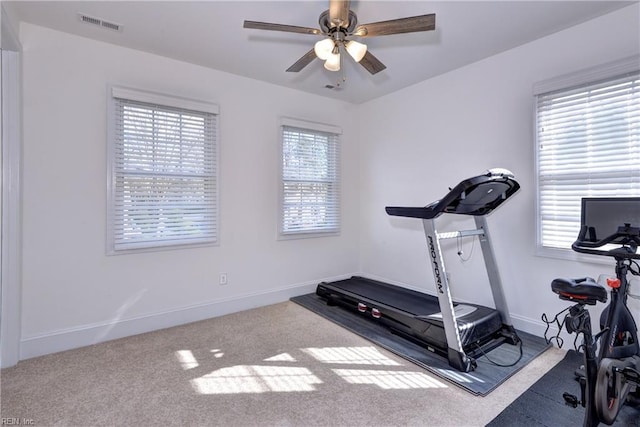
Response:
column 611, row 374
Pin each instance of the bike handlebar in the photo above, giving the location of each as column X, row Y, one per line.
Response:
column 627, row 237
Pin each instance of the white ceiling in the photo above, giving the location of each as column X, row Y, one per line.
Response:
column 210, row 33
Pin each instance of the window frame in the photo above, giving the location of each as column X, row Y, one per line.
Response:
column 170, row 102
column 312, row 127
column 587, row 76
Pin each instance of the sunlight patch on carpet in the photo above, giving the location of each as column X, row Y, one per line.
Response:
column 187, row 359
column 397, row 380
column 256, row 379
column 350, row 355
column 283, row 357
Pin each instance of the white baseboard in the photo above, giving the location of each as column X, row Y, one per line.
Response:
column 95, row 333
column 533, row 326
column 90, row 334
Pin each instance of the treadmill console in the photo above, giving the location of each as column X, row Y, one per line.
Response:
column 475, row 196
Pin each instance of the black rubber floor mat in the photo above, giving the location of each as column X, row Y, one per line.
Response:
column 542, row 404
column 482, row 381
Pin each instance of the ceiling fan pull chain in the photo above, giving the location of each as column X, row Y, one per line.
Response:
column 344, row 76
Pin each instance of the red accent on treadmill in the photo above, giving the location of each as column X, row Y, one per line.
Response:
column 362, row 307
column 376, row 313
column 613, row 283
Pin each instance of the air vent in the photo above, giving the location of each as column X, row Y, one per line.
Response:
column 99, row 22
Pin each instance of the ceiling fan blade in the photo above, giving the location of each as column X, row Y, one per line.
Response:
column 302, row 62
column 397, row 26
column 339, row 13
column 371, row 63
column 280, row 27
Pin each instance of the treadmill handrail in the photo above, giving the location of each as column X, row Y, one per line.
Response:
column 424, row 213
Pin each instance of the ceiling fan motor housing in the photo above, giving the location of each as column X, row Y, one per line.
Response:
column 328, row 27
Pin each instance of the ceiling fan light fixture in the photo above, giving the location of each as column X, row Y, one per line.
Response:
column 323, row 48
column 356, row 49
column 333, row 62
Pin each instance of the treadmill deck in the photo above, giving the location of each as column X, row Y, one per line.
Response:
column 412, row 314
column 407, row 300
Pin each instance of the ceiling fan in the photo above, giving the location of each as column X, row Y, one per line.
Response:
column 338, row 24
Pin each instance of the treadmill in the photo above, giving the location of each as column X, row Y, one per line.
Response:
column 459, row 332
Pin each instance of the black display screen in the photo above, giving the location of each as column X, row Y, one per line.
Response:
column 603, row 215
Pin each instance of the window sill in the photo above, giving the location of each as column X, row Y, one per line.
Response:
column 307, row 235
column 570, row 255
column 148, row 249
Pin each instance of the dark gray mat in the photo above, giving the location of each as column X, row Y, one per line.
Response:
column 482, row 381
column 542, row 403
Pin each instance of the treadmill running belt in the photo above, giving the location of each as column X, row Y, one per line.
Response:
column 410, row 301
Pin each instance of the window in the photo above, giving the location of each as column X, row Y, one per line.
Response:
column 162, row 167
column 310, row 183
column 588, row 145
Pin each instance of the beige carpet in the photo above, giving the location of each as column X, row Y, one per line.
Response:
column 280, row 365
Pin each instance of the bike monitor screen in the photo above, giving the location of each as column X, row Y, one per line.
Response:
column 603, row 215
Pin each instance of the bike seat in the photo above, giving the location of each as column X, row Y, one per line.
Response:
column 584, row 290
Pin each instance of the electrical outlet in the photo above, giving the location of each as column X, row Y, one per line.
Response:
column 223, row 278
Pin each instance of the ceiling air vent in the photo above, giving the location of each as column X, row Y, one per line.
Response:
column 99, row 22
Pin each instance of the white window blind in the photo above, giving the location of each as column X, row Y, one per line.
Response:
column 310, row 185
column 163, row 175
column 588, row 145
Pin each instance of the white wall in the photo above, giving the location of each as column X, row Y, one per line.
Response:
column 414, row 144
column 73, row 294
column 430, row 136
column 10, row 211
